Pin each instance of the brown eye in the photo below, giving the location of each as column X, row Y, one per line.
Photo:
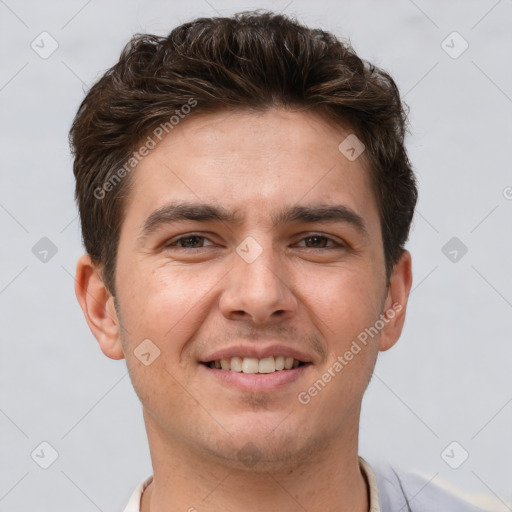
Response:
column 189, row 242
column 316, row 241
column 319, row 242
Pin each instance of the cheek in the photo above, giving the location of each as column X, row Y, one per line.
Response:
column 342, row 311
column 165, row 304
column 343, row 301
column 343, row 308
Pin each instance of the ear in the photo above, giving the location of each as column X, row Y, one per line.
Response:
column 396, row 301
column 97, row 303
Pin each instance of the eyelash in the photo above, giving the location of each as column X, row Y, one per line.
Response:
column 173, row 243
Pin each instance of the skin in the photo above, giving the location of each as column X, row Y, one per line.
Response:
column 312, row 294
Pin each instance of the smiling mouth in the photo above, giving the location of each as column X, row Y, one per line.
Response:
column 254, row 365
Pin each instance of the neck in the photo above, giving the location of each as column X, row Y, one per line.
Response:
column 330, row 481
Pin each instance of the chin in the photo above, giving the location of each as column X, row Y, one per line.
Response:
column 260, row 448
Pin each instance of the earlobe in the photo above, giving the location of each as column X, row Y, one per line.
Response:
column 396, row 301
column 97, row 304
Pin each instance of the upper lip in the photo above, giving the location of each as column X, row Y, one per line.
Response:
column 259, row 352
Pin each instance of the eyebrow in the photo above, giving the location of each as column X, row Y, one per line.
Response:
column 203, row 212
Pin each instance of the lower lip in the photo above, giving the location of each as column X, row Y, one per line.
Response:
column 255, row 382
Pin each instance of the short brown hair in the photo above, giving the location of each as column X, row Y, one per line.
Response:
column 253, row 60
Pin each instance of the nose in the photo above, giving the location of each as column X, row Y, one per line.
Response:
column 258, row 291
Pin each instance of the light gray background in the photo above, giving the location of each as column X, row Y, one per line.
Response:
column 448, row 379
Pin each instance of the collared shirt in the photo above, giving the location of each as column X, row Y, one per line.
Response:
column 389, row 492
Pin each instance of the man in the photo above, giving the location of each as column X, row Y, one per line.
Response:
column 245, row 197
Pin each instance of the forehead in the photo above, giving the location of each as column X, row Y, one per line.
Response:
column 254, row 163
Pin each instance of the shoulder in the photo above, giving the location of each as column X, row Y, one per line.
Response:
column 399, row 489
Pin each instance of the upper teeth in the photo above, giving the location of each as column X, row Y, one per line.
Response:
column 254, row 365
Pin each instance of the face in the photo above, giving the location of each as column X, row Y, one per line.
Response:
column 249, row 243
